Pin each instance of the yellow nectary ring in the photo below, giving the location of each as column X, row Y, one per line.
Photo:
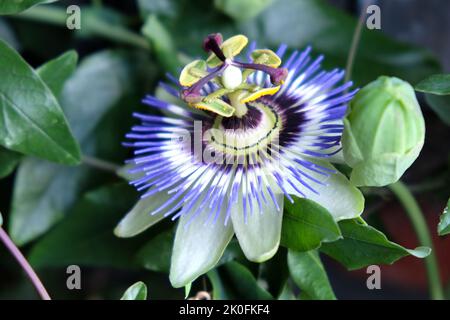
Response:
column 253, row 133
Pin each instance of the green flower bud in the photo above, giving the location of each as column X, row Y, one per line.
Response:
column 384, row 132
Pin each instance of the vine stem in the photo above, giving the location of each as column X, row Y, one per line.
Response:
column 24, row 264
column 415, row 214
column 100, row 164
column 91, row 25
column 355, row 43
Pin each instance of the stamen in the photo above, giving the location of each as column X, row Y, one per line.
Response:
column 277, row 75
column 212, row 43
column 190, row 97
column 192, row 94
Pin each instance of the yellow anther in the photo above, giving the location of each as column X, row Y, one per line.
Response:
column 258, row 94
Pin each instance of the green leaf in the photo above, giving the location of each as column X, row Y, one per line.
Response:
column 219, row 291
column 287, row 293
column 162, row 43
column 156, row 253
column 32, row 120
column 188, row 23
column 55, row 72
column 14, row 6
column 137, row 291
column 234, row 281
column 308, row 273
column 8, row 161
column 435, row 84
column 275, row 272
column 8, row 35
column 86, row 101
column 38, row 206
column 1, row 219
column 34, row 36
column 329, row 31
column 304, row 296
column 108, row 23
column 444, row 223
column 364, row 245
column 440, row 105
column 86, row 236
column 242, row 10
column 306, row 225
column 95, row 18
column 167, row 8
column 232, row 252
column 437, row 91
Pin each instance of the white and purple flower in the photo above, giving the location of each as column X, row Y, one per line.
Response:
column 270, row 133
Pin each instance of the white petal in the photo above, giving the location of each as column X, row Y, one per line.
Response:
column 139, row 218
column 338, row 195
column 259, row 236
column 197, row 247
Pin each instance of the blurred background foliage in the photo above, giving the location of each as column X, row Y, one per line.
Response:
column 62, row 215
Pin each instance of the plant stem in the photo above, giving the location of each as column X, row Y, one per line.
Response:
column 355, row 43
column 24, row 264
column 93, row 25
column 430, row 185
column 100, row 164
column 420, row 226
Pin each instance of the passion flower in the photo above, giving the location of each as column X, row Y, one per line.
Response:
column 264, row 134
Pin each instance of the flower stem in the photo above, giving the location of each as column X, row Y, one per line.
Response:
column 91, row 25
column 415, row 214
column 355, row 43
column 24, row 264
column 430, row 185
column 100, row 164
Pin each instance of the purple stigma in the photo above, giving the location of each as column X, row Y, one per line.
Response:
column 190, row 97
column 212, row 43
column 277, row 75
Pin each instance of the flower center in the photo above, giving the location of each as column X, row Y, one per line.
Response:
column 249, row 135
